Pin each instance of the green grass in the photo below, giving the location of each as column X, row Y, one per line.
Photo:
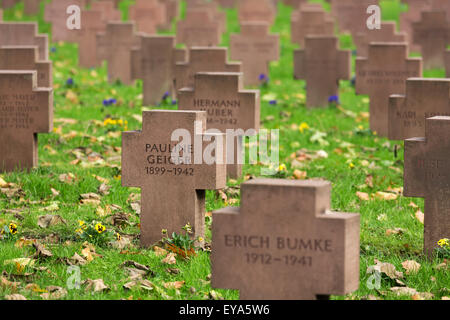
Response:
column 348, row 142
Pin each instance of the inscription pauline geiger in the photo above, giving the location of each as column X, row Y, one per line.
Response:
column 160, row 159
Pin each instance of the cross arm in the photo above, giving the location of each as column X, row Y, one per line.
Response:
column 44, row 123
column 396, row 103
column 44, row 74
column 132, row 159
column 249, row 114
column 361, row 74
column 344, row 64
column 136, row 63
column 414, row 171
column 42, row 42
column 415, row 65
column 299, row 64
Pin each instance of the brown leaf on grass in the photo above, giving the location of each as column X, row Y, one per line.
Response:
column 90, row 198
column 55, row 192
column 95, row 285
column 300, row 175
column 411, row 266
column 362, row 195
column 35, row 288
column 159, row 251
column 6, row 284
column 54, row 293
column 41, row 251
column 369, row 181
column 174, row 285
column 422, row 296
column 420, row 216
column 15, row 296
column 104, row 189
column 386, row 196
column 54, row 206
column 119, row 219
column 170, row 259
column 135, row 274
column 394, row 231
column 136, row 206
column 77, row 260
column 121, row 243
column 386, row 268
column 403, row 291
column 67, row 177
column 50, row 220
column 173, row 270
column 135, row 264
column 413, row 205
column 22, row 242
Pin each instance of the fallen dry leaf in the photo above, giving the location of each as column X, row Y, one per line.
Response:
column 386, row 196
column 362, row 195
column 159, row 251
column 174, row 285
column 50, row 220
column 41, row 251
column 420, row 216
column 170, row 259
column 53, row 293
column 403, row 291
column 300, row 175
column 394, row 231
column 95, row 285
column 411, row 266
column 15, row 296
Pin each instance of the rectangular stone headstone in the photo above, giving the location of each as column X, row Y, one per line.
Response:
column 148, row 15
column 154, row 63
column 407, row 113
column 256, row 11
column 203, row 59
column 114, row 46
column 432, row 34
column 213, row 9
column 387, row 33
column 284, row 243
column 91, row 24
column 321, row 56
column 173, row 195
column 27, row 58
column 228, row 106
column 255, row 48
column 198, row 29
column 6, row 4
column 427, row 175
column 26, row 110
column 55, row 13
column 382, row 73
column 310, row 21
column 108, row 10
column 24, row 34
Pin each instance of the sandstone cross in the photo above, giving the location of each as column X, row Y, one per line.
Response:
column 1, row 15
column 256, row 11
column 310, row 21
column 6, row 4
column 427, row 175
column 294, row 3
column 198, row 29
column 407, row 18
column 171, row 12
column 407, row 113
column 320, row 57
column 26, row 110
column 351, row 15
column 24, row 34
column 55, row 13
column 382, row 73
column 203, row 59
column 31, row 7
column 115, row 47
column 432, row 34
column 108, row 10
column 213, row 9
column 283, row 243
column 27, row 58
column 148, row 15
column 255, row 48
column 154, row 63
column 228, row 106
column 173, row 195
column 91, row 24
column 387, row 33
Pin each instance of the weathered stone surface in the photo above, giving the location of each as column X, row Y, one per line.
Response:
column 308, row 21
column 24, row 34
column 198, row 29
column 148, row 15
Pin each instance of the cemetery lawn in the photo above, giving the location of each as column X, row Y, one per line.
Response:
column 83, row 153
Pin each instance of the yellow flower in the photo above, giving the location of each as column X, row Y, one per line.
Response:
column 360, row 127
column 80, row 231
column 164, row 231
column 282, row 167
column 444, row 243
column 303, row 126
column 100, row 228
column 12, row 228
column 118, row 236
column 200, row 239
column 351, row 165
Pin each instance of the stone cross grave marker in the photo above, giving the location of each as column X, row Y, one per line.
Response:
column 148, row 15
column 6, row 4
column 91, row 24
column 55, row 13
column 351, row 15
column 31, row 7
column 407, row 18
column 203, row 59
column 320, row 57
column 295, row 3
column 255, row 48
column 310, row 21
column 108, row 10
column 154, row 63
column 26, row 111
column 114, row 46
column 427, row 175
column 387, row 33
column 407, row 113
column 213, row 8
column 227, row 3
column 382, row 73
column 198, row 29
column 228, row 106
column 172, row 194
column 432, row 34
column 256, row 11
column 172, row 10
column 27, row 58
column 24, row 34
column 284, row 243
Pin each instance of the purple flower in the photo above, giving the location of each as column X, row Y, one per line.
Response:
column 108, row 102
column 69, row 82
column 53, row 49
column 262, row 77
column 334, row 99
column 166, row 95
column 273, row 102
column 174, row 101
